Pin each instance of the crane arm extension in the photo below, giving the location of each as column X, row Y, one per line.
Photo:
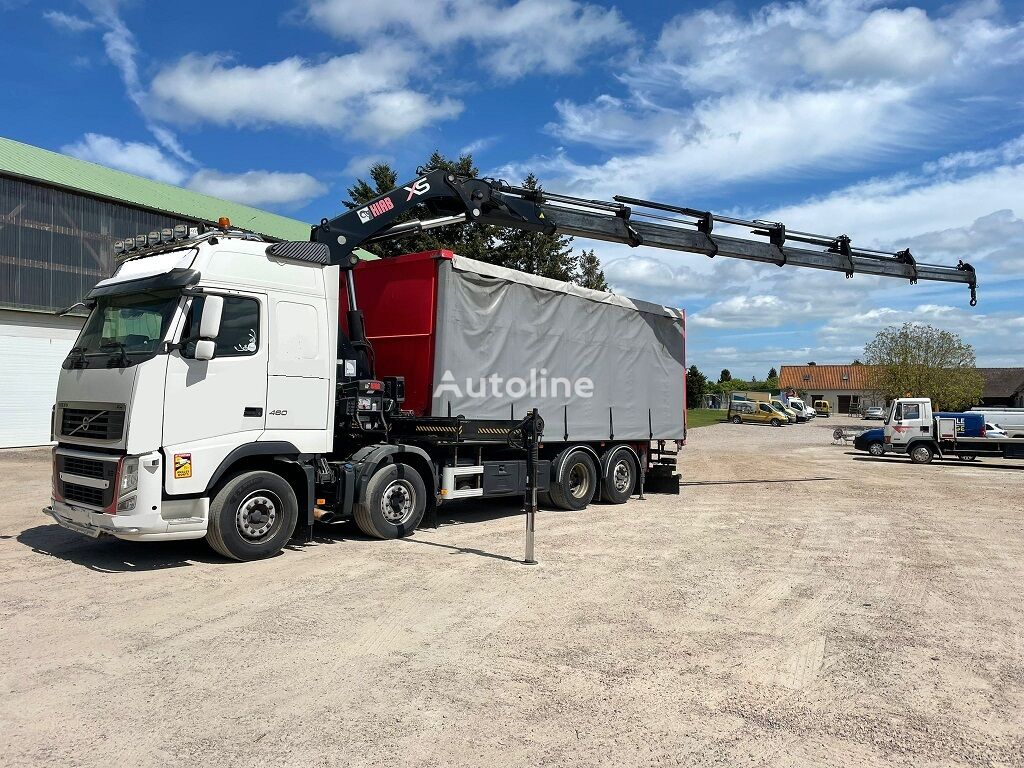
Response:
column 626, row 220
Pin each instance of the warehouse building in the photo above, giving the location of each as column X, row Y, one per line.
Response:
column 846, row 388
column 1004, row 387
column 59, row 218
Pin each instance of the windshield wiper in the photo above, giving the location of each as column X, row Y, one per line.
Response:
column 76, row 357
column 119, row 346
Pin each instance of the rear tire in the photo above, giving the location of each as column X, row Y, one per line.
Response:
column 620, row 478
column 393, row 502
column 252, row 516
column 576, row 482
column 921, row 454
column 737, row 420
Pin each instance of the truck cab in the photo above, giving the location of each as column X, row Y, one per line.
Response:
column 202, row 356
column 909, row 425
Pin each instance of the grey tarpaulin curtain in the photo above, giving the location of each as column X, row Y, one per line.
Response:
column 493, row 320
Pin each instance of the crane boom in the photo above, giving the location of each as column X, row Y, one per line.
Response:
column 454, row 199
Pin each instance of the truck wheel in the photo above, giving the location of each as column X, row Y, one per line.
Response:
column 876, row 449
column 921, row 454
column 775, row 423
column 393, row 503
column 737, row 420
column 252, row 516
column 620, row 477
column 576, row 482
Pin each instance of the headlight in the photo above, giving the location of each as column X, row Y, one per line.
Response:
column 129, row 475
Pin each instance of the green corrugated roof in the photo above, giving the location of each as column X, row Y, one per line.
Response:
column 24, row 160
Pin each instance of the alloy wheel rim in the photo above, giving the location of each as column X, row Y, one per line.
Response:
column 257, row 516
column 622, row 475
column 579, row 480
column 398, row 501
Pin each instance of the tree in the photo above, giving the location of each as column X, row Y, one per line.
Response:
column 857, row 362
column 724, row 376
column 773, row 374
column 922, row 361
column 590, row 273
column 696, row 387
column 534, row 252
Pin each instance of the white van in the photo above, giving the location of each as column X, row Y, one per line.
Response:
column 804, row 411
column 1009, row 419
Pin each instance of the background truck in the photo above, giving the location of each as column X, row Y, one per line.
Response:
column 229, row 388
column 913, row 429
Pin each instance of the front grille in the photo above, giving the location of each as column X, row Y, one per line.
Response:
column 92, row 424
column 83, row 494
column 74, row 465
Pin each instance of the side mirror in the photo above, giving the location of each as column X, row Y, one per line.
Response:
column 205, row 350
column 209, row 324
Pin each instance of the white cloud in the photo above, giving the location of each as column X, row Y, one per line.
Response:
column 479, row 145
column 68, row 22
column 787, row 90
column 122, row 51
column 737, row 137
column 363, row 94
column 131, row 156
column 513, row 38
column 756, row 311
column 890, row 44
column 258, row 188
column 887, row 212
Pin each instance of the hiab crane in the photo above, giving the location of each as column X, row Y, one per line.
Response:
column 234, row 389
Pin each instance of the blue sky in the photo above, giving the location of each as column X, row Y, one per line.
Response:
column 901, row 125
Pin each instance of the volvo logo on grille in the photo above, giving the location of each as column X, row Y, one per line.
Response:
column 86, row 421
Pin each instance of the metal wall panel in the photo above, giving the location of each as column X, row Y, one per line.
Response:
column 55, row 245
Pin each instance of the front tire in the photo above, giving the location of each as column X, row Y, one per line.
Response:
column 620, row 477
column 775, row 423
column 876, row 449
column 921, row 454
column 252, row 516
column 576, row 482
column 393, row 502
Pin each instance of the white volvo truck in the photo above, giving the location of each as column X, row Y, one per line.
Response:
column 222, row 388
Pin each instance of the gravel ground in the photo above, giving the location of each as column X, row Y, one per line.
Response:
column 797, row 605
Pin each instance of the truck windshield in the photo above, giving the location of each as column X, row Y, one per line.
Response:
column 124, row 330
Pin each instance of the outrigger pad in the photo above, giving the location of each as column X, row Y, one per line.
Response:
column 661, row 479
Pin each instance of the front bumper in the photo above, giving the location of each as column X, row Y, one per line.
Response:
column 129, row 527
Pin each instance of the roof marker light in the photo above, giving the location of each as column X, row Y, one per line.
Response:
column 166, row 235
column 223, row 222
column 153, row 237
column 180, row 231
column 140, row 241
column 119, row 246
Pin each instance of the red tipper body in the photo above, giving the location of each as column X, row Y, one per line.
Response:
column 398, row 298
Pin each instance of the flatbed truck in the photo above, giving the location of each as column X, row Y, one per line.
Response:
column 913, row 429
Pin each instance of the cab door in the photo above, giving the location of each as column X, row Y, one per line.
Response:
column 213, row 406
